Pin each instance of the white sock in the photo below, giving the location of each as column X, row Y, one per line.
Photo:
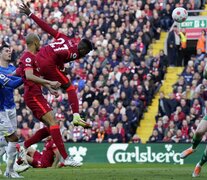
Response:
column 11, row 153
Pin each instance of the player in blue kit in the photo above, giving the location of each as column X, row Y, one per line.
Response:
column 8, row 123
column 7, row 131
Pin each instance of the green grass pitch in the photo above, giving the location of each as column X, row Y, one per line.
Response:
column 115, row 172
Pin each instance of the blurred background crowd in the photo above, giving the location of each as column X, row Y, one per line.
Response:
column 117, row 81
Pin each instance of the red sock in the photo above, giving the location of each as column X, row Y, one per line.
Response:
column 57, row 138
column 37, row 137
column 73, row 99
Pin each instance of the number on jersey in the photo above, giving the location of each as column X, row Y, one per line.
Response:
column 59, row 45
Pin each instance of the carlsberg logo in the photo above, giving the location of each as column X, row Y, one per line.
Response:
column 118, row 153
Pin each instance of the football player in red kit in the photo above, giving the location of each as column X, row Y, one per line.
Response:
column 49, row 157
column 51, row 59
column 34, row 99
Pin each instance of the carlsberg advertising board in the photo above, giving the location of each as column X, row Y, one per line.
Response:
column 129, row 153
column 119, row 153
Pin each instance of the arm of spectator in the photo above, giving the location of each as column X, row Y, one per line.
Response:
column 25, row 9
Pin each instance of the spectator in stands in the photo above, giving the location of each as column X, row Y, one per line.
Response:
column 173, row 43
column 183, row 46
column 101, row 135
column 172, row 128
column 160, row 129
column 133, row 115
column 168, row 137
column 114, row 137
column 201, row 44
column 154, row 137
column 163, row 106
column 88, row 95
column 184, row 106
column 25, row 131
column 166, row 17
column 178, row 138
column 185, row 129
column 136, row 139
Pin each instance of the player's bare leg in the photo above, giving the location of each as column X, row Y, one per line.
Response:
column 50, row 121
column 73, row 101
column 200, row 131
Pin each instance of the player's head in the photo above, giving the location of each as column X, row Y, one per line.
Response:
column 84, row 47
column 33, row 41
column 5, row 52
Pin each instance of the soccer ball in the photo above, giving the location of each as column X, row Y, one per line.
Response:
column 179, row 14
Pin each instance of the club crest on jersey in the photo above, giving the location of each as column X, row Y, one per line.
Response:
column 28, row 60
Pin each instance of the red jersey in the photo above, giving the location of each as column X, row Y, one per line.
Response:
column 62, row 50
column 27, row 61
column 48, row 153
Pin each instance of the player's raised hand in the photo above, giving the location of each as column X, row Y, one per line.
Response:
column 24, row 9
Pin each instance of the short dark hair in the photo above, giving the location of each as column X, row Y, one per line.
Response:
column 85, row 43
column 4, row 45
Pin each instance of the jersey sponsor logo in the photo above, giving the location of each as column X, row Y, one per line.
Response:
column 4, row 78
column 28, row 60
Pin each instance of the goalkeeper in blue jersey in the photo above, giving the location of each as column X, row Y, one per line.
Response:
column 8, row 123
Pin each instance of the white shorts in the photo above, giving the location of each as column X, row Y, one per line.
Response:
column 6, row 125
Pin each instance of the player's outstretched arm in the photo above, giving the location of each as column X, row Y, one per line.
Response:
column 10, row 81
column 25, row 10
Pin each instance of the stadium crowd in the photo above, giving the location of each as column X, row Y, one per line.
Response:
column 116, row 82
column 180, row 113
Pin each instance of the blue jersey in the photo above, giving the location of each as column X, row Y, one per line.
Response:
column 8, row 92
column 7, row 82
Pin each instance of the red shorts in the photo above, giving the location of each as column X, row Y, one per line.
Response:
column 40, row 161
column 38, row 104
column 36, row 163
column 50, row 71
